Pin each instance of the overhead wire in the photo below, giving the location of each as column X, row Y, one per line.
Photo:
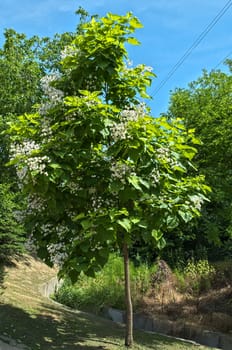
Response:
column 193, row 46
column 223, row 60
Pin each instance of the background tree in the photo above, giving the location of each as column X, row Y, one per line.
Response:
column 99, row 171
column 23, row 63
column 11, row 229
column 206, row 106
column 20, row 74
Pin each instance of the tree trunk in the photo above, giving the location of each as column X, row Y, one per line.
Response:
column 129, row 308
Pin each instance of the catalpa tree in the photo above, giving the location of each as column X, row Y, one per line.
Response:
column 98, row 170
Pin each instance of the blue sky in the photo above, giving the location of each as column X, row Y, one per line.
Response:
column 170, row 28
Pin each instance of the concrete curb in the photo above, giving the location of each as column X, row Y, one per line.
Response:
column 178, row 330
column 49, row 288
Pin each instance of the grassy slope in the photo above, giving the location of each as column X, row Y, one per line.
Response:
column 30, row 318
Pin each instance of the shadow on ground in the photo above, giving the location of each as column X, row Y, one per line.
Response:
column 56, row 328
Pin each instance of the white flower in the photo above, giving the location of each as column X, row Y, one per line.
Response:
column 69, row 51
column 163, row 153
column 57, row 253
column 53, row 95
column 38, row 164
column 120, row 170
column 147, row 69
column 30, row 244
column 33, row 163
column 46, row 131
column 119, row 129
column 196, row 201
column 35, row 204
column 23, row 149
column 155, row 175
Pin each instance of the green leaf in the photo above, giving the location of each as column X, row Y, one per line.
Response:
column 134, row 181
column 55, row 165
column 185, row 215
column 135, row 221
column 86, row 224
column 84, row 247
column 125, row 223
column 144, row 183
column 172, row 221
column 133, row 41
column 79, row 216
column 143, row 224
column 135, row 23
column 157, row 235
column 115, row 186
column 161, row 243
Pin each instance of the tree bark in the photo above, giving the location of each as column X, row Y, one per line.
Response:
column 129, row 308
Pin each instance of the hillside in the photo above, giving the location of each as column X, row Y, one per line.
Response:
column 31, row 319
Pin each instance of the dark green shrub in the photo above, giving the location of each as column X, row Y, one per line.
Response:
column 11, row 231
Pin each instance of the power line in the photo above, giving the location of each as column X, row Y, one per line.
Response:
column 193, row 46
column 223, row 60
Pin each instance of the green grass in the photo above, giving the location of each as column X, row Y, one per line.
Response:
column 40, row 323
column 107, row 288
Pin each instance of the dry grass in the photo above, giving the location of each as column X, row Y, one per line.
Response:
column 212, row 310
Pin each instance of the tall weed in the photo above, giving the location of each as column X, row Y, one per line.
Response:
column 196, row 277
column 107, row 288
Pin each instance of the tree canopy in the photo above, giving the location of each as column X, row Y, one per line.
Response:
column 98, row 170
column 206, row 106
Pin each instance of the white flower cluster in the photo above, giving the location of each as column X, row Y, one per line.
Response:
column 38, row 164
column 34, row 163
column 21, row 173
column 19, row 215
column 155, row 175
column 69, row 51
column 196, row 202
column 71, row 117
column 119, row 130
column 23, row 149
column 73, row 187
column 147, row 69
column 30, row 244
column 46, row 229
column 46, row 131
column 70, row 213
column 54, row 95
column 50, row 91
column 164, row 154
column 61, row 230
column 119, row 171
column 35, row 203
column 44, row 108
column 57, row 253
column 97, row 202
